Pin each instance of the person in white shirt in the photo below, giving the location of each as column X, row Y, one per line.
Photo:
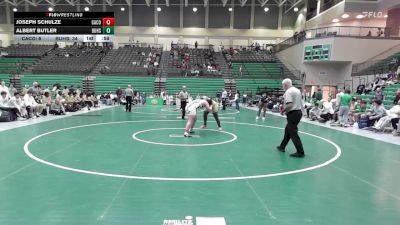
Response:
column 18, row 103
column 327, row 110
column 236, row 100
column 191, row 110
column 4, row 106
column 4, row 88
column 224, row 97
column 31, row 105
column 293, row 108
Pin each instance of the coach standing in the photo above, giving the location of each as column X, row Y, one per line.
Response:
column 183, row 96
column 292, row 107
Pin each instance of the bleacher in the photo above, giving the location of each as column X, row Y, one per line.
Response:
column 256, row 85
column 25, row 50
column 257, row 70
column 195, row 86
column 197, row 64
column 111, row 83
column 15, row 65
column 251, row 56
column 128, row 61
column 390, row 93
column 380, row 67
column 70, row 60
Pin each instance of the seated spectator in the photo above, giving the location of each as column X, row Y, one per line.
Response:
column 376, row 112
column 360, row 89
column 327, row 111
column 315, row 112
column 379, row 94
column 397, row 97
column 359, row 109
column 8, row 113
column 378, row 83
column 17, row 102
column 352, row 110
column 32, row 107
column 57, row 108
column 393, row 116
column 46, row 101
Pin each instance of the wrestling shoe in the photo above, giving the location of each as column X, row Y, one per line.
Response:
column 220, row 128
column 257, row 117
column 203, row 127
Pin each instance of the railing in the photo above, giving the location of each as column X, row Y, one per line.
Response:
column 371, row 61
column 342, row 31
column 141, row 44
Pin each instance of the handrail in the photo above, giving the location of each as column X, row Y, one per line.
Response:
column 369, row 62
column 342, row 31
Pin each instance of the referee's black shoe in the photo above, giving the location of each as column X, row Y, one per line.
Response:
column 298, row 154
column 280, row 149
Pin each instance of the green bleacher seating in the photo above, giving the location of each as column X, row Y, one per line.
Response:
column 195, row 86
column 9, row 65
column 111, row 83
column 257, row 70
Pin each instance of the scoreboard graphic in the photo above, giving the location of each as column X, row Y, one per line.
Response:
column 317, row 52
column 64, row 26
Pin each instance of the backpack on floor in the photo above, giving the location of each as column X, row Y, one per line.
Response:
column 5, row 116
column 363, row 122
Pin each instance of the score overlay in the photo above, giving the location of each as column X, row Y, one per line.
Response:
column 64, row 26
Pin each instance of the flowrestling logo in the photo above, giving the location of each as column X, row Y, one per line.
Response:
column 373, row 14
column 187, row 221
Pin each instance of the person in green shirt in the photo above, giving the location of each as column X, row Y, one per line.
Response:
column 344, row 108
column 359, row 109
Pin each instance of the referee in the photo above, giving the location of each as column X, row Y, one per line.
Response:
column 183, row 96
column 292, row 107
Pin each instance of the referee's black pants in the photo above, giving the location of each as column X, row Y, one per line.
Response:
column 183, row 108
column 291, row 130
column 128, row 106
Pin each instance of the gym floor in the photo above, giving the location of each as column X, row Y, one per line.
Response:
column 113, row 167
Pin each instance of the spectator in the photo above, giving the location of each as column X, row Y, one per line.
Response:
column 344, row 107
column 359, row 109
column 4, row 88
column 46, row 100
column 397, row 97
column 360, row 89
column 315, row 112
column 327, row 110
column 393, row 116
column 376, row 112
column 57, row 108
column 31, row 105
column 17, row 102
column 12, row 90
column 379, row 95
column 119, row 93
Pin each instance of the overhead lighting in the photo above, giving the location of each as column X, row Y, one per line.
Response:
column 335, row 20
column 296, row 9
column 266, row 9
column 50, row 9
column 194, row 9
column 86, row 9
column 359, row 16
column 122, row 9
column 385, row 16
column 158, row 9
column 15, row 9
column 344, row 16
column 305, row 9
column 230, row 9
